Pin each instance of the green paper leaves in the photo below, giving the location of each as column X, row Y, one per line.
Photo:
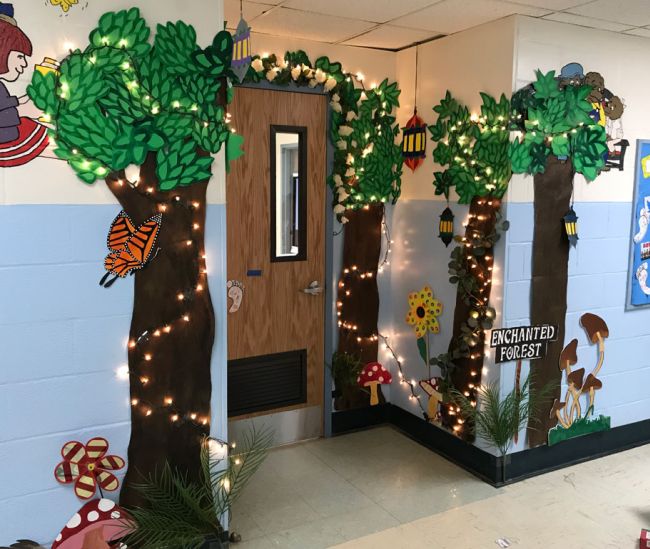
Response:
column 175, row 44
column 558, row 123
column 42, row 91
column 216, row 59
column 546, row 86
column 590, row 145
column 120, row 100
column 122, row 29
column 180, row 164
column 472, row 148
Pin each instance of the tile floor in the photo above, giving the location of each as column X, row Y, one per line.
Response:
column 379, row 489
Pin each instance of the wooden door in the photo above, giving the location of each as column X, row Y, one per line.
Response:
column 275, row 315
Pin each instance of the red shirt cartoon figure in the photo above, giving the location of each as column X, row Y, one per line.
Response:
column 21, row 138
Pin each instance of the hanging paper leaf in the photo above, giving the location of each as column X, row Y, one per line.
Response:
column 414, row 141
column 571, row 226
column 446, row 226
column 241, row 50
column 233, row 148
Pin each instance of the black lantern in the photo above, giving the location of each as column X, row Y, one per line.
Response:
column 571, row 226
column 414, row 141
column 446, row 226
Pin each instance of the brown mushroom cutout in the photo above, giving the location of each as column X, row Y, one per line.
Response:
column 570, row 411
column 597, row 331
column 568, row 358
column 432, row 388
column 556, row 411
column 592, row 384
column 97, row 523
column 372, row 375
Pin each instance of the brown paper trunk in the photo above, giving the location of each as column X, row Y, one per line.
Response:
column 180, row 360
column 553, row 190
column 461, row 377
column 361, row 248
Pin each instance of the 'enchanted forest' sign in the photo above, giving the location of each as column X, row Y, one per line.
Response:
column 521, row 342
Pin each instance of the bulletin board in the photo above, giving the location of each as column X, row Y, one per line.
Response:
column 638, row 293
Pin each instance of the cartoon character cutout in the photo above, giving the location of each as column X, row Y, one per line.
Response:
column 22, row 138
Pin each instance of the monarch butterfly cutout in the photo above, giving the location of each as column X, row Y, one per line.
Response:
column 130, row 248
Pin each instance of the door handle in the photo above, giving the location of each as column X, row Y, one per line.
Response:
column 314, row 288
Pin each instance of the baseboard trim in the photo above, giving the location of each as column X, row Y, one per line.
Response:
column 519, row 466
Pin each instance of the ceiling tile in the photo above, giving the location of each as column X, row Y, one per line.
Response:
column 455, row 15
column 378, row 11
column 639, row 32
column 310, row 26
column 635, row 13
column 391, row 37
column 586, row 22
column 554, row 5
column 251, row 10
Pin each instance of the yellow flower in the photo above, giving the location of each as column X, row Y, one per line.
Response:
column 64, row 4
column 423, row 310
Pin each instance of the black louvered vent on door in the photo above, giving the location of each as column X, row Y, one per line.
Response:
column 267, row 382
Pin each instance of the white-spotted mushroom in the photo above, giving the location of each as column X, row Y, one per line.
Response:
column 98, row 521
column 372, row 375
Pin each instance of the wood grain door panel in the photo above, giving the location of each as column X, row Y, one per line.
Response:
column 275, row 316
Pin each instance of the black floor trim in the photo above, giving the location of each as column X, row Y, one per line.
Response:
column 519, row 466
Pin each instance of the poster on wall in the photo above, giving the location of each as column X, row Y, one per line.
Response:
column 638, row 283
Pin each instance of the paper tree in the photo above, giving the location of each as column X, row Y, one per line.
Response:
column 472, row 149
column 559, row 139
column 145, row 119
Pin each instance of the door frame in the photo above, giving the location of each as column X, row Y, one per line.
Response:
column 329, row 282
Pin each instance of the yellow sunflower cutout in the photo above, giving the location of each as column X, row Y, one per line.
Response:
column 65, row 5
column 423, row 310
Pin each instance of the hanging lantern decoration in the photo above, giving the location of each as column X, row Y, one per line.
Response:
column 414, row 142
column 446, row 226
column 571, row 226
column 241, row 50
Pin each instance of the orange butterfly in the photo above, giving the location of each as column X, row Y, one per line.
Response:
column 130, row 248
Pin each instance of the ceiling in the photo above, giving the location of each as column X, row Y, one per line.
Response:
column 397, row 24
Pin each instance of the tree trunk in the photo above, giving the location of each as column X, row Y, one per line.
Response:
column 553, row 190
column 171, row 336
column 358, row 296
column 466, row 376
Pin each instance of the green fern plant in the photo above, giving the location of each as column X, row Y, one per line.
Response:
column 497, row 420
column 186, row 514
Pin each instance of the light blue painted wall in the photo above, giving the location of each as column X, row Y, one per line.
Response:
column 62, row 337
column 598, row 270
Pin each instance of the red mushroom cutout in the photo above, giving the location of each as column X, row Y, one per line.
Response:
column 97, row 523
column 374, row 374
column 432, row 388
